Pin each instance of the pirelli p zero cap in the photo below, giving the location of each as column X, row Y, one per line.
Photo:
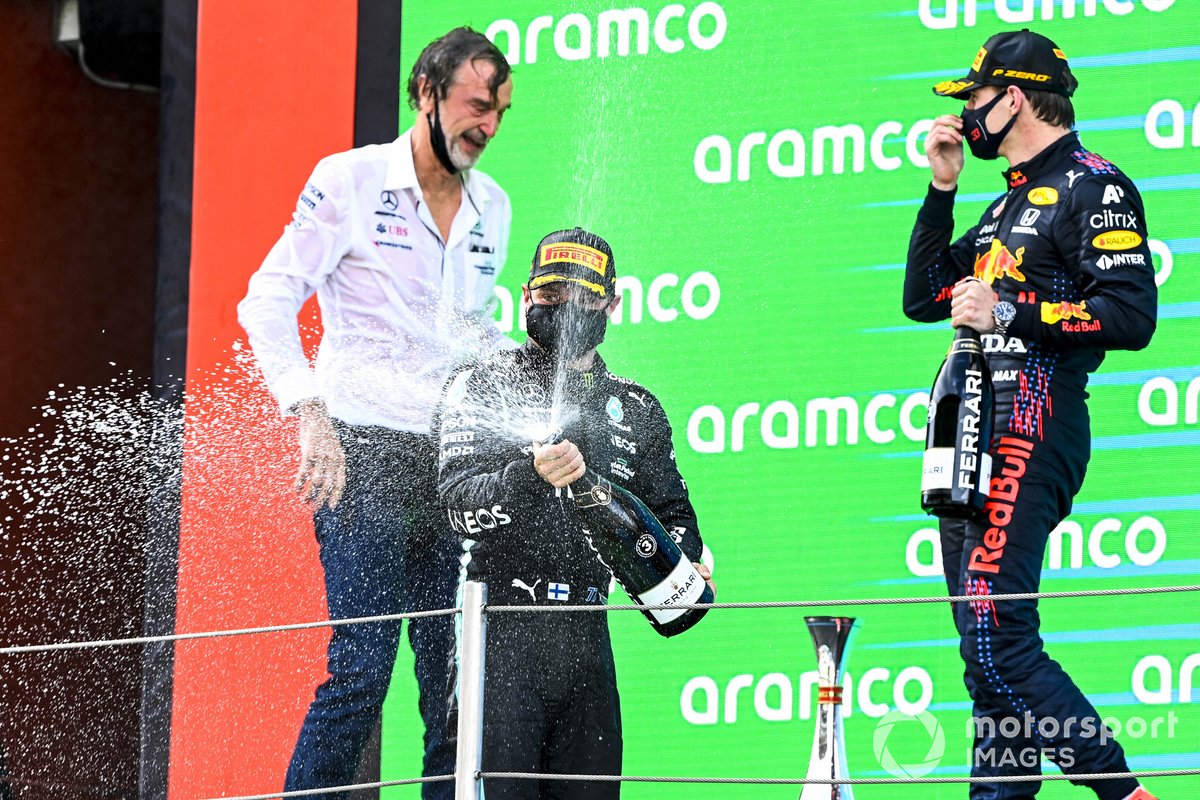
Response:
column 577, row 256
column 1020, row 58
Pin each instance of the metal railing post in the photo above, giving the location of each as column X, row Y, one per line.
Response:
column 470, row 692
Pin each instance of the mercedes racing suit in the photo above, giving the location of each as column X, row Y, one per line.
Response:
column 550, row 696
column 1067, row 246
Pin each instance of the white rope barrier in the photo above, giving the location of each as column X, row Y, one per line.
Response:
column 870, row 601
column 875, row 601
column 1096, row 776
column 1099, row 776
column 469, row 775
column 179, row 637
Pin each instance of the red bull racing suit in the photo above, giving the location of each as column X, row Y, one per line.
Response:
column 550, row 694
column 1066, row 244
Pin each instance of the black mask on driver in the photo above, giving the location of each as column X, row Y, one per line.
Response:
column 566, row 330
column 984, row 144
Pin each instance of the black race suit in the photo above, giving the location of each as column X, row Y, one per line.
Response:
column 1067, row 246
column 550, row 696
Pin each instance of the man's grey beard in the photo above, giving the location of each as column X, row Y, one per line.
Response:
column 461, row 160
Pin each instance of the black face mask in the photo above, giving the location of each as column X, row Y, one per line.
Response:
column 566, row 330
column 983, row 143
column 437, row 138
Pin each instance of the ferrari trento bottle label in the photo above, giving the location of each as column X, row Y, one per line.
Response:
column 937, row 468
column 985, row 472
column 956, row 469
column 683, row 585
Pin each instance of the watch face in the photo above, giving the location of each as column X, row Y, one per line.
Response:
column 1004, row 311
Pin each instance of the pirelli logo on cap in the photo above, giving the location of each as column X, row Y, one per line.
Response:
column 978, row 62
column 579, row 254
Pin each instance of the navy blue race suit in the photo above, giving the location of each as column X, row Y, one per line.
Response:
column 550, row 695
column 1067, row 246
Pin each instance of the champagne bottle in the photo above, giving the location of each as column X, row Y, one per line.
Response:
column 643, row 557
column 957, row 466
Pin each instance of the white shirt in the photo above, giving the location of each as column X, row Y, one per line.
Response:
column 399, row 307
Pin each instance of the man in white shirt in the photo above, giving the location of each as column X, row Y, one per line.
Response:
column 401, row 243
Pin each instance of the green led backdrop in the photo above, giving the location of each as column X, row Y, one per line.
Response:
column 757, row 167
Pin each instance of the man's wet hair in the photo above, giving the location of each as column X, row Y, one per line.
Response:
column 441, row 59
column 1052, row 107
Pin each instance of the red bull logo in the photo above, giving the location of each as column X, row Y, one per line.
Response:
column 1002, row 500
column 999, row 262
column 1057, row 312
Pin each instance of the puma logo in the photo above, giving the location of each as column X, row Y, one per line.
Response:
column 520, row 584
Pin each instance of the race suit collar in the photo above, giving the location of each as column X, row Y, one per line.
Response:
column 542, row 361
column 1037, row 166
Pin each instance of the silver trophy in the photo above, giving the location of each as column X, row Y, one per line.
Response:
column 831, row 639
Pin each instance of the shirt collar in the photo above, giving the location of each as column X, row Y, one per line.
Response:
column 1035, row 167
column 402, row 172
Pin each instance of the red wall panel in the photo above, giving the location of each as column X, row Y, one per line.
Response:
column 274, row 93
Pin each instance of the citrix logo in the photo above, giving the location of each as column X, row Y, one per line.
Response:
column 1023, row 11
column 705, row 28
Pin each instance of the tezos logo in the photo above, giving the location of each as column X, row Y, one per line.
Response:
column 615, row 409
column 906, row 767
column 646, row 546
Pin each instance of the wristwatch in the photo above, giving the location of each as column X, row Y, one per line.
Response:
column 1003, row 313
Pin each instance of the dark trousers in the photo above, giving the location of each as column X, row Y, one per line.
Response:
column 385, row 549
column 1023, row 700
column 550, row 706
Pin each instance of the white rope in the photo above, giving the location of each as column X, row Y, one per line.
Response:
column 1097, row 776
column 178, row 637
column 875, row 601
column 1101, row 776
column 871, row 601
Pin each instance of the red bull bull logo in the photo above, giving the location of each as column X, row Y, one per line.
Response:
column 1057, row 312
column 999, row 262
